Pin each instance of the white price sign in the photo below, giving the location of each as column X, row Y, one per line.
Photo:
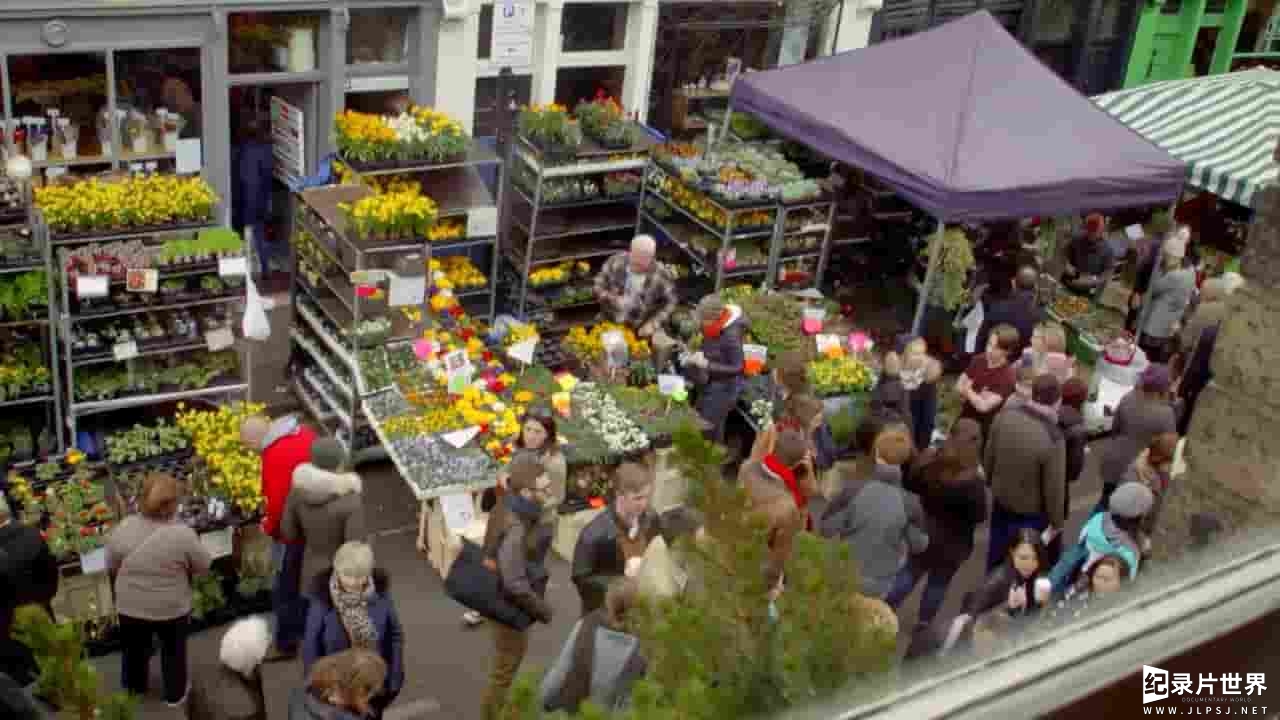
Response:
column 407, row 290
column 459, row 511
column 512, row 34
column 523, row 350
column 219, row 339
column 219, row 543
column 92, row 286
column 233, row 267
column 482, row 222
column 669, row 385
column 125, row 350
column 142, row 280
column 827, row 343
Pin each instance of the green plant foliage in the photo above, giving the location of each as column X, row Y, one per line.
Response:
column 716, row 652
column 67, row 678
column 207, row 595
column 950, row 285
column 142, row 442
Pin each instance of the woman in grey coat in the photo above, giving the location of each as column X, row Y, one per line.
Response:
column 600, row 661
column 1167, row 299
column 882, row 523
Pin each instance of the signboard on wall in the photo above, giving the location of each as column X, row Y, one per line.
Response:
column 288, row 140
column 512, row 34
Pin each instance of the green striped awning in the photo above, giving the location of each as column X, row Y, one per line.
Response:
column 1223, row 126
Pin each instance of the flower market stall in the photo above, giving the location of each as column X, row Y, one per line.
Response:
column 1055, row 156
column 77, row 501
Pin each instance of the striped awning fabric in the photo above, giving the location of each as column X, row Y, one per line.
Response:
column 1224, row 127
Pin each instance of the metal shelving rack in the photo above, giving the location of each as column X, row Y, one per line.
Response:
column 70, row 316
column 332, row 385
column 592, row 228
column 681, row 225
column 805, row 230
column 51, row 401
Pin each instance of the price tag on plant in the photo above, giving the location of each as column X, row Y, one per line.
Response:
column 523, row 350
column 407, row 290
column 482, row 221
column 219, row 543
column 142, row 281
column 669, row 385
column 92, row 286
column 828, row 344
column 730, row 259
column 219, row 339
column 233, row 267
column 125, row 350
column 54, row 173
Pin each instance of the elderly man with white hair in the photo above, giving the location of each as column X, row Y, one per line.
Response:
column 232, row 690
column 635, row 291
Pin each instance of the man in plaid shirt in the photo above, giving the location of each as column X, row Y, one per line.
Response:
column 635, row 291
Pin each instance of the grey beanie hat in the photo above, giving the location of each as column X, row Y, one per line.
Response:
column 1131, row 500
column 328, row 454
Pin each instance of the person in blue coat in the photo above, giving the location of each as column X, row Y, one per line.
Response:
column 350, row 607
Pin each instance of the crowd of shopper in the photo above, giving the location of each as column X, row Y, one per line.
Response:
column 910, row 509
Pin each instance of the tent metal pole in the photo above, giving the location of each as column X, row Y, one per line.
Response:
column 935, row 252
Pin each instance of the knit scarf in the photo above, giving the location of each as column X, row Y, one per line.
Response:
column 788, row 476
column 353, row 610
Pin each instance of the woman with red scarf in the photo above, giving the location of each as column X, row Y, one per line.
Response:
column 779, row 487
column 717, row 368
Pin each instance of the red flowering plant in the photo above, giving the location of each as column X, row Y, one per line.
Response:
column 604, row 121
column 78, row 515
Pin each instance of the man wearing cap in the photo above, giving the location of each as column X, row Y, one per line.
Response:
column 614, row 543
column 324, row 509
column 1089, row 260
column 1025, row 461
column 779, row 488
column 284, row 444
column 635, row 291
column 1167, row 298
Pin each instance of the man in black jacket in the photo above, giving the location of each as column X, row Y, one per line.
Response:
column 1021, row 309
column 613, row 544
column 28, row 563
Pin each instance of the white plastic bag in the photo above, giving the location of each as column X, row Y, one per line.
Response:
column 256, row 325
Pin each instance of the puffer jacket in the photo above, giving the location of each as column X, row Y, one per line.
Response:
column 1099, row 537
column 882, row 524
column 597, row 663
column 324, row 510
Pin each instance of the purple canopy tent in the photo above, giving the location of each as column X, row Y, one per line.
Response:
column 966, row 124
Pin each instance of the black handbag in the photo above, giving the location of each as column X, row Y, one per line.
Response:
column 476, row 587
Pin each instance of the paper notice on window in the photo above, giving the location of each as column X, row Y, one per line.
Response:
column 972, row 322
column 92, row 286
column 407, row 290
column 482, row 222
column 459, row 512
column 219, row 543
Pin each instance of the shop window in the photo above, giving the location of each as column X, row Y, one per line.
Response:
column 60, row 112
column 160, row 94
column 486, row 117
column 593, row 26
column 574, row 85
column 485, row 48
column 273, row 42
column 382, row 102
column 378, row 36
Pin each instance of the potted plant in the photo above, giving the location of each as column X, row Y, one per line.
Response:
column 550, row 128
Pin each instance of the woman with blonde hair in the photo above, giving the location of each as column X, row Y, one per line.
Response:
column 152, row 558
column 881, row 521
column 340, row 687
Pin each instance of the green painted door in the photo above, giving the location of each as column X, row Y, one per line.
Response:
column 1164, row 63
